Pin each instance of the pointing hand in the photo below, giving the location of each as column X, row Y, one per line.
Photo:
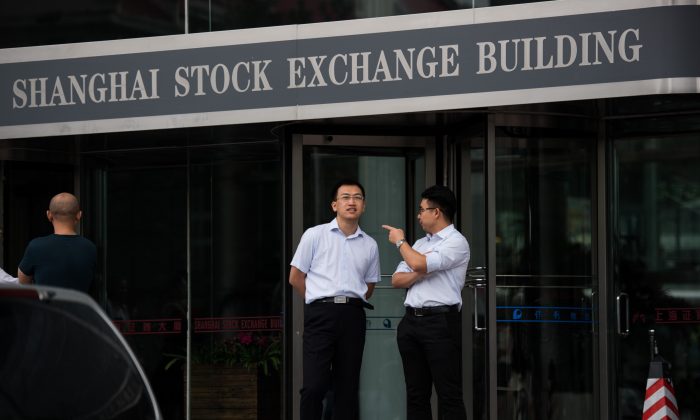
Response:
column 395, row 234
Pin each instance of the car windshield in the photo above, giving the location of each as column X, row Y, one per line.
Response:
column 61, row 360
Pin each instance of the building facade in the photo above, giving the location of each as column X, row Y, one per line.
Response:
column 202, row 139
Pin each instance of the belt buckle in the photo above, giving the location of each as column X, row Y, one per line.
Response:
column 418, row 312
column 340, row 299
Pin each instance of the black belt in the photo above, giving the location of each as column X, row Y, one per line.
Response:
column 431, row 310
column 344, row 299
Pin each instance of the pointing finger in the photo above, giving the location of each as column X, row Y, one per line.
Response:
column 387, row 227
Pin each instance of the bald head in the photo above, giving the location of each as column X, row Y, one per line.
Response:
column 64, row 207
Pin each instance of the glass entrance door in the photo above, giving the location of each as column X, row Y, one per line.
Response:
column 527, row 209
column 393, row 171
column 656, row 258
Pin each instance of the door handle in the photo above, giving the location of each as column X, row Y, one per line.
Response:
column 477, row 280
column 476, row 312
column 623, row 298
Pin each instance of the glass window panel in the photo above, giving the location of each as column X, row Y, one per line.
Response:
column 543, row 190
column 215, row 196
column 34, row 22
column 236, row 216
column 138, row 218
column 644, row 104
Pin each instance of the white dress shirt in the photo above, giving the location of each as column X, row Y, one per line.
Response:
column 335, row 264
column 447, row 258
column 6, row 278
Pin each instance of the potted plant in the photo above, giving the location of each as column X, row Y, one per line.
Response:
column 227, row 374
column 257, row 351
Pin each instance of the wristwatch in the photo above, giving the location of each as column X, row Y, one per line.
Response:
column 399, row 243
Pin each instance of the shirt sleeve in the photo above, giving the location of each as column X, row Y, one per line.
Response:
column 27, row 265
column 305, row 252
column 403, row 268
column 451, row 253
column 373, row 273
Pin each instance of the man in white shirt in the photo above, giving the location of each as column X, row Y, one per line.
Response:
column 335, row 268
column 430, row 334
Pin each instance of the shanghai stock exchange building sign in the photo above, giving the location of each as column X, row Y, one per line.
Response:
column 553, row 51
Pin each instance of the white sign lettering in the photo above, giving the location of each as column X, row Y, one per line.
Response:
column 84, row 89
column 562, row 51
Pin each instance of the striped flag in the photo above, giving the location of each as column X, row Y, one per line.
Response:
column 660, row 399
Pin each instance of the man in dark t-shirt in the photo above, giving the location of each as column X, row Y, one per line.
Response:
column 63, row 259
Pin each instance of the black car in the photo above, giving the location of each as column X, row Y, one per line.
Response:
column 62, row 358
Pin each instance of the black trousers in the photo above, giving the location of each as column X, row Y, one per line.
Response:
column 334, row 340
column 431, row 352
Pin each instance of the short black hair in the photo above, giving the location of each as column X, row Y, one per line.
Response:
column 443, row 198
column 336, row 187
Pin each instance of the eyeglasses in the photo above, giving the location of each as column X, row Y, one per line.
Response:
column 421, row 209
column 348, row 197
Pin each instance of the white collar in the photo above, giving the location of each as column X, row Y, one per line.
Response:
column 333, row 225
column 444, row 233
